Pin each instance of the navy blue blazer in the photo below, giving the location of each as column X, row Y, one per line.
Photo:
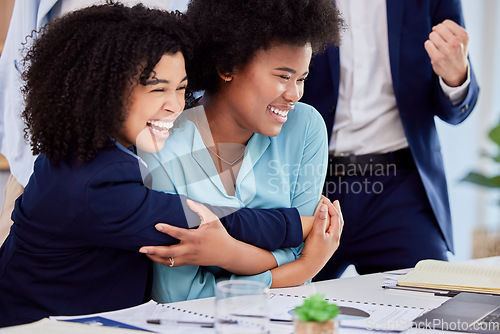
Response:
column 73, row 248
column 416, row 87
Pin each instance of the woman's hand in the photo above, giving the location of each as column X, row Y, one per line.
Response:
column 324, row 238
column 321, row 243
column 308, row 221
column 207, row 245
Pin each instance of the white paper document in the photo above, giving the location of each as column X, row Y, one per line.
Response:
column 355, row 317
column 51, row 326
column 354, row 314
column 167, row 319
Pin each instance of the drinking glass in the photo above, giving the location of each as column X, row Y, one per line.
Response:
column 241, row 307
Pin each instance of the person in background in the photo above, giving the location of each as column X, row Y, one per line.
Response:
column 98, row 83
column 400, row 64
column 248, row 142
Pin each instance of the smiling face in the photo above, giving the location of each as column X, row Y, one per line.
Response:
column 262, row 92
column 155, row 105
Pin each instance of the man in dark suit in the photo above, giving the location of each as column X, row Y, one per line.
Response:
column 400, row 64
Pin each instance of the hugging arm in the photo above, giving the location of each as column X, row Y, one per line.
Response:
column 131, row 226
column 265, row 228
column 211, row 245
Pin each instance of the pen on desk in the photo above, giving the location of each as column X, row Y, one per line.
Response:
column 204, row 324
column 439, row 293
column 258, row 316
column 282, row 321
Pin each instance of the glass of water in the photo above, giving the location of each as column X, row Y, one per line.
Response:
column 241, row 307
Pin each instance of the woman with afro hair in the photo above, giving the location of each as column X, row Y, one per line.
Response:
column 98, row 82
column 248, row 142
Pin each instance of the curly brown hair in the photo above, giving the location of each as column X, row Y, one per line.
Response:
column 230, row 32
column 78, row 70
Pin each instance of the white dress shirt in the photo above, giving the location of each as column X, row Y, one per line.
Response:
column 367, row 119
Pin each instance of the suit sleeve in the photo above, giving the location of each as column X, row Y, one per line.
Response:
column 453, row 114
column 265, row 228
column 123, row 211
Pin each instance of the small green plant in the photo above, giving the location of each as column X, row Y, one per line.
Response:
column 316, row 308
column 484, row 180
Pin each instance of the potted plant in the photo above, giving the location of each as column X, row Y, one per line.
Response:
column 316, row 316
column 486, row 242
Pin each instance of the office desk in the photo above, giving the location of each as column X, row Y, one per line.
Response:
column 359, row 289
column 365, row 288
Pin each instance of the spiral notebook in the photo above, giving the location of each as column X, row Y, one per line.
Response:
column 464, row 277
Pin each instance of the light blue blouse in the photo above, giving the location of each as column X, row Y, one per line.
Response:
column 277, row 172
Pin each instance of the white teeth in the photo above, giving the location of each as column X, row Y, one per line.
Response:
column 162, row 125
column 277, row 111
column 157, row 131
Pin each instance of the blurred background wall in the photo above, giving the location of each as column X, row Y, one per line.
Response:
column 473, row 207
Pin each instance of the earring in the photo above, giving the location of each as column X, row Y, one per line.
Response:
column 228, row 77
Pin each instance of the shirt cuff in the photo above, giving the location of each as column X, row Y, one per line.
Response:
column 286, row 255
column 266, row 277
column 456, row 95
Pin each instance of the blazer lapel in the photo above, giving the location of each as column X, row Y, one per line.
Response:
column 334, row 62
column 394, row 23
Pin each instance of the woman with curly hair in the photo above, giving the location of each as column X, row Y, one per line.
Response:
column 248, row 142
column 99, row 81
